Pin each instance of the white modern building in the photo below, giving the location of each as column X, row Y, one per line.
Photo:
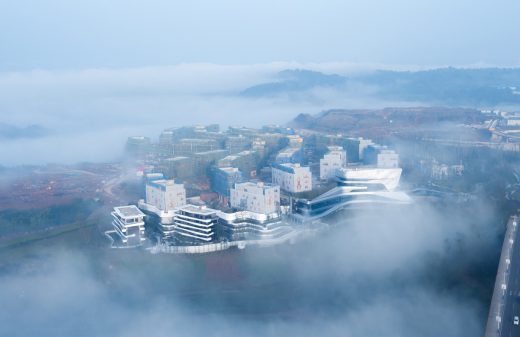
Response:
column 246, row 225
column 358, row 187
column 295, row 141
column 335, row 159
column 255, row 197
column 128, row 223
column 513, row 121
column 363, row 144
column 373, row 178
column 387, row 159
column 163, row 197
column 195, row 224
column 380, row 156
column 289, row 155
column 292, row 178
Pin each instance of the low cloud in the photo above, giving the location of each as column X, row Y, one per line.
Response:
column 380, row 275
column 91, row 108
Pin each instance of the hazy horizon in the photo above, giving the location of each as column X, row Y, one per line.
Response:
column 59, row 35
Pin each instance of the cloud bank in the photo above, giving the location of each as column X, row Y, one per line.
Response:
column 86, row 110
column 378, row 275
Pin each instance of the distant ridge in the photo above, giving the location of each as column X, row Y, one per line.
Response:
column 443, row 86
column 8, row 131
column 294, row 80
column 390, row 119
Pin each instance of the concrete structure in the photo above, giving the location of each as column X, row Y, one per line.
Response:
column 355, row 147
column 194, row 224
column 189, row 146
column 245, row 225
column 441, row 171
column 357, row 187
column 178, row 167
column 336, row 158
column 259, row 146
column 512, row 121
column 245, row 161
column 138, row 146
column 369, row 177
column 380, row 156
column 387, row 159
column 292, row 178
column 223, row 179
column 363, row 144
column 256, row 197
column 295, row 141
column 165, row 195
column 236, row 144
column 128, row 223
column 203, row 160
column 290, row 155
column 174, row 135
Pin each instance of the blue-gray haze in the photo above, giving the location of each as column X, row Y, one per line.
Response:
column 60, row 34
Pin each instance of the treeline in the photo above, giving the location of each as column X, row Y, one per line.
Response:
column 13, row 222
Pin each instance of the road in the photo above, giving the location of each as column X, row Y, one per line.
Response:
column 512, row 293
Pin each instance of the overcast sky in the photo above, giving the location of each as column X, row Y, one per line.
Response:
column 64, row 34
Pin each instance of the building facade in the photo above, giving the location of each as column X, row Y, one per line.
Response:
column 369, row 177
column 381, row 156
column 292, row 178
column 358, row 187
column 223, row 179
column 336, row 158
column 236, row 144
column 387, row 159
column 245, row 225
column 128, row 224
column 290, row 155
column 162, row 198
column 194, row 225
column 256, row 197
column 165, row 195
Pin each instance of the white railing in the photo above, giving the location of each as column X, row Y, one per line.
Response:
column 218, row 246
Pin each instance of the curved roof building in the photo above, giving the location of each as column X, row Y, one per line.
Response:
column 357, row 187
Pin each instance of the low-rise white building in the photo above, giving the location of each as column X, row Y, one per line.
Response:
column 513, row 121
column 256, row 197
column 295, row 141
column 165, row 195
column 128, row 223
column 336, row 158
column 163, row 198
column 292, row 178
column 387, row 159
column 369, row 177
column 195, row 224
column 363, row 144
column 246, row 225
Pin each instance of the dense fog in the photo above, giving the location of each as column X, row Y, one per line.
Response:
column 422, row 270
column 88, row 114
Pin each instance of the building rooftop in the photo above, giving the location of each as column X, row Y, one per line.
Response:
column 229, row 169
column 163, row 184
column 288, row 151
column 245, row 153
column 128, row 211
column 289, row 167
column 198, row 209
column 257, row 184
column 211, row 152
column 177, row 158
